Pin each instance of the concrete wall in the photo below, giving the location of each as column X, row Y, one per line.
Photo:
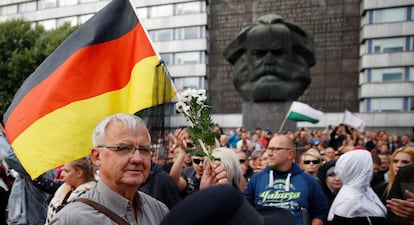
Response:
column 335, row 26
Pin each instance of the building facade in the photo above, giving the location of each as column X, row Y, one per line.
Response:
column 386, row 80
column 364, row 50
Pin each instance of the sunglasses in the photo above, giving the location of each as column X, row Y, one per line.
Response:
column 242, row 160
column 314, row 162
column 190, row 145
column 198, row 161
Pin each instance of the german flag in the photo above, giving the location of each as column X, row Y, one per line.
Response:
column 107, row 66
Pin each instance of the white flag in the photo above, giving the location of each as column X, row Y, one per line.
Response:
column 302, row 112
column 354, row 121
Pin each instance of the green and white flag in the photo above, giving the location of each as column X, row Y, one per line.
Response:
column 302, row 112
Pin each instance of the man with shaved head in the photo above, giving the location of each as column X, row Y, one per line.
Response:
column 283, row 184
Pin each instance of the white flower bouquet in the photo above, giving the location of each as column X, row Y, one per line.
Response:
column 192, row 103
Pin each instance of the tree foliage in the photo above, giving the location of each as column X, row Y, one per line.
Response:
column 23, row 48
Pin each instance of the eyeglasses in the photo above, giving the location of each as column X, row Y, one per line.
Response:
column 276, row 149
column 190, row 145
column 129, row 150
column 314, row 162
column 242, row 160
column 198, row 161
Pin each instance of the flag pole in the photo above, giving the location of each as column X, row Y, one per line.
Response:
column 284, row 120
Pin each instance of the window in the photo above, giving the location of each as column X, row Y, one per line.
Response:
column 164, row 35
column 389, row 15
column 161, row 35
column 388, row 45
column 161, row 11
column 48, row 24
column 67, row 2
column 411, row 13
column 412, row 104
column 387, row 105
column 46, row 4
column 411, row 74
column 87, row 1
column 387, row 75
column 167, row 58
column 72, row 20
column 8, row 9
column 182, row 83
column 189, row 33
column 188, row 8
column 142, row 13
column 27, row 6
column 188, row 58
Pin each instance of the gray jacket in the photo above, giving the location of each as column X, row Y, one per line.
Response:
column 149, row 210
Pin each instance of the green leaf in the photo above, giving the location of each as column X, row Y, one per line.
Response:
column 209, row 137
column 196, row 152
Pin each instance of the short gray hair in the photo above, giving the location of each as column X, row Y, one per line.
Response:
column 131, row 121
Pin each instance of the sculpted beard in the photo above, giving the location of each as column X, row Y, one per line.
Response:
column 271, row 83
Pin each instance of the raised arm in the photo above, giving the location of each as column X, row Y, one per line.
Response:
column 177, row 167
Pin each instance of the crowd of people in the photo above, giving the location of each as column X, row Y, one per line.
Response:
column 332, row 176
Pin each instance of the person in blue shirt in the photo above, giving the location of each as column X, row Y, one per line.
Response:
column 235, row 137
column 283, row 184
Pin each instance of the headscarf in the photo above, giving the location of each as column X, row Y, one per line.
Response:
column 356, row 198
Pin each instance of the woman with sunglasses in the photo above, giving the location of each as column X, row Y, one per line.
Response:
column 311, row 162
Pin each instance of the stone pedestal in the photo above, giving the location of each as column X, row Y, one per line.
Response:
column 267, row 115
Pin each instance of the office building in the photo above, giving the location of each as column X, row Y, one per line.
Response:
column 364, row 50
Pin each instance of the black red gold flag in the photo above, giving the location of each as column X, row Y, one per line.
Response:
column 107, row 66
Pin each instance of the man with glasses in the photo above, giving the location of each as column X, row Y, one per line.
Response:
column 311, row 161
column 187, row 178
column 247, row 170
column 122, row 153
column 283, row 184
column 192, row 175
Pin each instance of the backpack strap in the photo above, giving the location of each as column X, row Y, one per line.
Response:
column 104, row 210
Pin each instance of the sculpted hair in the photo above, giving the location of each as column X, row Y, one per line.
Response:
column 131, row 121
column 302, row 46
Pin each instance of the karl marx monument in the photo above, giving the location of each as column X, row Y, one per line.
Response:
column 272, row 60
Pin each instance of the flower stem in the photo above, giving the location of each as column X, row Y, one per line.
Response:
column 203, row 146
